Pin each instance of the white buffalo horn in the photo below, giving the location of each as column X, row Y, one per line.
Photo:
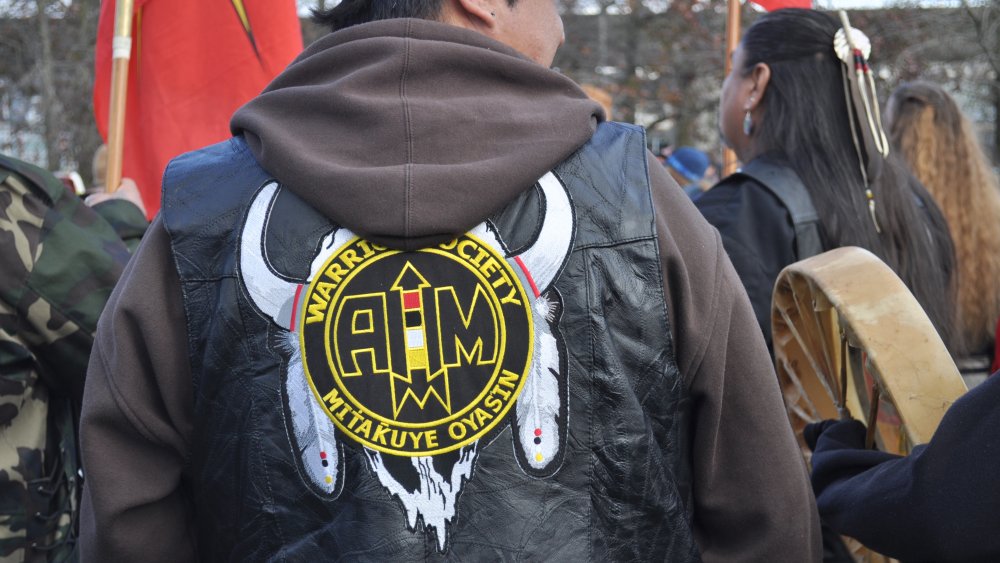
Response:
column 268, row 291
column 545, row 257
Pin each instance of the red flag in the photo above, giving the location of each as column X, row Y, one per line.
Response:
column 772, row 5
column 194, row 62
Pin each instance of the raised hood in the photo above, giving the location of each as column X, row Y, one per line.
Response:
column 409, row 131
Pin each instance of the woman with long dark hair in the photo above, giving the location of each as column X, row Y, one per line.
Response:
column 818, row 174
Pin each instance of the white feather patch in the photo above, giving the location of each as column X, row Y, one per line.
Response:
column 315, row 437
column 539, row 403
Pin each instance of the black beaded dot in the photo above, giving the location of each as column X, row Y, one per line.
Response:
column 326, row 463
column 538, row 440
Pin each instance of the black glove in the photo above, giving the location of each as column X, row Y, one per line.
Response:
column 839, row 434
column 812, row 431
column 839, row 452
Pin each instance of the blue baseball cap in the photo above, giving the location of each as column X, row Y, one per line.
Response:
column 689, row 162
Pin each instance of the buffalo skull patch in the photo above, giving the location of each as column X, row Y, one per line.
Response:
column 419, row 359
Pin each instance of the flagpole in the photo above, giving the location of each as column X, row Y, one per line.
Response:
column 732, row 39
column 121, row 51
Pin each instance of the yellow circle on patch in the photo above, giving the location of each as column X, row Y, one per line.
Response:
column 416, row 353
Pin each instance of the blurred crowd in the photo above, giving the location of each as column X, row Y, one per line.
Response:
column 191, row 423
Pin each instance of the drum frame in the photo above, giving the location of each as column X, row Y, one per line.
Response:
column 851, row 340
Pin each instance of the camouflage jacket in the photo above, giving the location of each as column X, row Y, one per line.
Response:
column 59, row 261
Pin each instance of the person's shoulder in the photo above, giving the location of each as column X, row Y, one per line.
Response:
column 40, row 208
column 60, row 241
column 735, row 188
column 204, row 184
column 680, row 226
column 22, row 179
column 613, row 139
column 232, row 153
column 38, row 201
column 619, row 126
column 734, row 195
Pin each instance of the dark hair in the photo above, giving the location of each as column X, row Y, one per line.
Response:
column 352, row 12
column 804, row 122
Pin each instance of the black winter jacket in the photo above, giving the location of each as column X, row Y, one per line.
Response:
column 757, row 231
column 940, row 503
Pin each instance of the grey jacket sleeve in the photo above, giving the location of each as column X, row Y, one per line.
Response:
column 751, row 495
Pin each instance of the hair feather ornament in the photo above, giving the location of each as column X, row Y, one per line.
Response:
column 853, row 48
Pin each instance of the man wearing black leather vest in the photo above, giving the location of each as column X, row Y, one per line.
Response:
column 427, row 305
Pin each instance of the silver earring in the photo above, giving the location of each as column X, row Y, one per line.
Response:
column 747, row 124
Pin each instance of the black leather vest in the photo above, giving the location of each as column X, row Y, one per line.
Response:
column 619, row 488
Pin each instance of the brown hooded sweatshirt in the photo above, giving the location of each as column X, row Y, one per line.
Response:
column 384, row 127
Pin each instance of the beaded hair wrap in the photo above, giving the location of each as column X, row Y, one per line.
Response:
column 853, row 49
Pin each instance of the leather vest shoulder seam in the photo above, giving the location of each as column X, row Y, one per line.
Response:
column 613, row 244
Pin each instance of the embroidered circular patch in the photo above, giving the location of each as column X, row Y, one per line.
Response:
column 416, row 353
